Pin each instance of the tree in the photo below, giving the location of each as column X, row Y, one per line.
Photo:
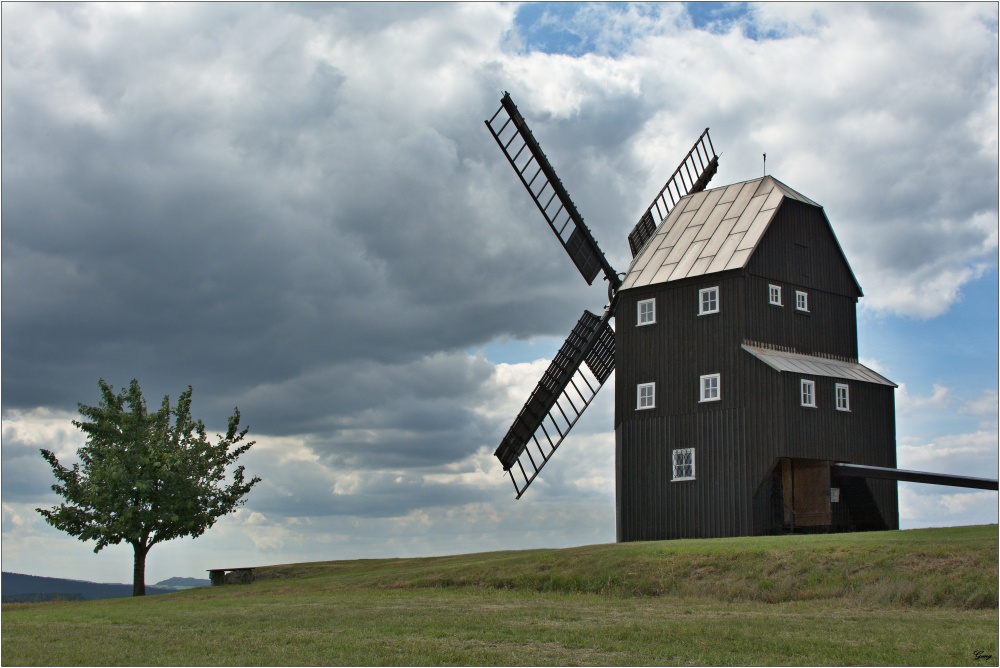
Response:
column 145, row 478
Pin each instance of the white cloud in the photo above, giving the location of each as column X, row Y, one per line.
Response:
column 917, row 508
column 940, row 398
column 875, row 365
column 985, row 406
column 973, row 454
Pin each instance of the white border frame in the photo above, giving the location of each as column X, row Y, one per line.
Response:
column 701, row 300
column 638, row 312
column 846, row 408
column 802, row 301
column 638, row 396
column 811, row 384
column 702, row 387
column 673, row 465
column 771, row 289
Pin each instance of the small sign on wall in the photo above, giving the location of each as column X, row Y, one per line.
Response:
column 834, row 494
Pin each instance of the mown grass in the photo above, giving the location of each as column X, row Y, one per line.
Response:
column 926, row 597
column 954, row 567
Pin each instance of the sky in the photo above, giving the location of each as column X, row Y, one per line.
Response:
column 298, row 210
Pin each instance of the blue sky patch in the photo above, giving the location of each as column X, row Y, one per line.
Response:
column 575, row 29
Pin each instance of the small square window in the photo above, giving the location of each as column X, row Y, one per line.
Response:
column 801, row 301
column 708, row 300
column 808, row 392
column 843, row 397
column 774, row 295
column 646, row 312
column 646, row 393
column 710, row 388
column 683, row 464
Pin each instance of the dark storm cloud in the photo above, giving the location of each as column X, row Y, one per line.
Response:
column 422, row 412
column 32, row 478
column 379, row 495
column 222, row 220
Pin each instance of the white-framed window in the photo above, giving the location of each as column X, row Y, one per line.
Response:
column 843, row 393
column 683, row 459
column 807, row 389
column 708, row 300
column 645, row 396
column 646, row 312
column 710, row 388
column 774, row 294
column 801, row 301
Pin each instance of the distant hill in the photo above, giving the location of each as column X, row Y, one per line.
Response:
column 17, row 588
column 183, row 583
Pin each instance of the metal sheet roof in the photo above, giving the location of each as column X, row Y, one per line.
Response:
column 816, row 366
column 713, row 230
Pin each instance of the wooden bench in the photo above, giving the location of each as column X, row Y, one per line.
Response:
column 222, row 576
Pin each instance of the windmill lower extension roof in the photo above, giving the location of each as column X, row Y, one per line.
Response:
column 710, row 231
column 781, row 360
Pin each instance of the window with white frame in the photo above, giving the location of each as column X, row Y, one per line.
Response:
column 646, row 396
column 708, row 300
column 801, row 301
column 710, row 388
column 683, row 464
column 808, row 393
column 843, row 397
column 774, row 294
column 646, row 314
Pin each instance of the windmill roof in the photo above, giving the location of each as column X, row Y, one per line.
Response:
column 713, row 230
column 780, row 360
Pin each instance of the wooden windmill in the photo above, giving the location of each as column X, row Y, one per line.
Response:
column 741, row 407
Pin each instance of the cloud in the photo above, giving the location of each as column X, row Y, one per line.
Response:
column 972, row 454
column 29, row 477
column 297, row 210
column 919, row 509
column 940, row 398
column 252, row 214
column 985, row 406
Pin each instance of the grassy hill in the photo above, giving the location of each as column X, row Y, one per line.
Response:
column 893, row 598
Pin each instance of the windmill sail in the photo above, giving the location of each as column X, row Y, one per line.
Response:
column 525, row 155
column 691, row 176
column 571, row 382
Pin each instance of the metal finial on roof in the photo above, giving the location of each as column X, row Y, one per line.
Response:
column 765, row 164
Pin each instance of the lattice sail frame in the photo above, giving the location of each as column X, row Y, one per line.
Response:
column 511, row 133
column 575, row 376
column 691, row 176
column 587, row 358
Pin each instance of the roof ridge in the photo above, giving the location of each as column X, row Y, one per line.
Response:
column 788, row 350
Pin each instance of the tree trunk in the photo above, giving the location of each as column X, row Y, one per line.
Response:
column 139, row 570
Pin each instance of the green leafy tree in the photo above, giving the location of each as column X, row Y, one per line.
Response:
column 145, row 478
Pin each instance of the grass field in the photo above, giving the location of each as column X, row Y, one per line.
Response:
column 921, row 597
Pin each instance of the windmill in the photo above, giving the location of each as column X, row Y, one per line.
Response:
column 587, row 358
column 741, row 407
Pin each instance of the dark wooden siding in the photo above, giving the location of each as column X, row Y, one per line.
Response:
column 799, row 248
column 674, row 353
column 651, row 506
column 830, row 327
column 679, row 348
column 800, row 252
column 739, row 439
column 778, row 426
